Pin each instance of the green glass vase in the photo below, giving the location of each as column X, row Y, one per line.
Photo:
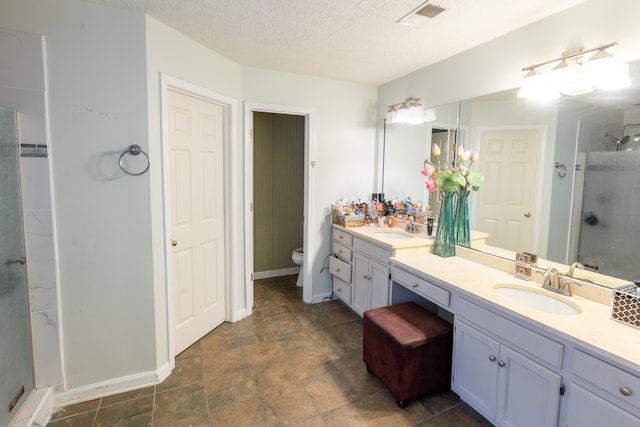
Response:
column 461, row 219
column 444, row 243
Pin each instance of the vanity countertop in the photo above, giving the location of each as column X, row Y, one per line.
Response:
column 376, row 235
column 593, row 327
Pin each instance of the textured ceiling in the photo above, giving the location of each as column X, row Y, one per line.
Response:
column 353, row 40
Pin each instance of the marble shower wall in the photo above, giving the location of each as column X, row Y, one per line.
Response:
column 22, row 88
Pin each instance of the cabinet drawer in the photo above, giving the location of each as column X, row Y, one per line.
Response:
column 340, row 269
column 585, row 408
column 372, row 251
column 342, row 237
column 613, row 380
column 432, row 292
column 532, row 342
column 341, row 251
column 342, row 290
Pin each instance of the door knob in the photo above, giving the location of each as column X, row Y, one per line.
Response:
column 174, row 243
column 527, row 214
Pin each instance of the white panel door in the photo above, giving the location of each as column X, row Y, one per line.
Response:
column 509, row 160
column 196, row 140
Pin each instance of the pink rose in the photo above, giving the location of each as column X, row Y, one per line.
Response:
column 427, row 170
column 430, row 184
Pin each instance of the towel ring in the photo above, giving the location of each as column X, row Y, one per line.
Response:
column 561, row 169
column 134, row 150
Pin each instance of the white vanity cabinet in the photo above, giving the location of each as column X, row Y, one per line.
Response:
column 340, row 264
column 360, row 271
column 370, row 284
column 497, row 368
column 601, row 393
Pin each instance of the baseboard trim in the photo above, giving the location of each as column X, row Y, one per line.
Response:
column 275, row 273
column 110, row 387
column 37, row 410
column 321, row 297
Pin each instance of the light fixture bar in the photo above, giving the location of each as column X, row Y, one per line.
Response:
column 571, row 55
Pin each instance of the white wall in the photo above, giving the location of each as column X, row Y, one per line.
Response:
column 344, row 141
column 97, row 106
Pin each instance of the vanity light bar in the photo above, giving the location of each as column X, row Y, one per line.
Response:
column 571, row 77
column 410, row 111
column 572, row 54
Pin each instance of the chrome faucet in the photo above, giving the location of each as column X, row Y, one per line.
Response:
column 411, row 227
column 555, row 283
column 573, row 267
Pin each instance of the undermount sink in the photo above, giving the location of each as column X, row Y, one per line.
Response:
column 536, row 299
column 393, row 235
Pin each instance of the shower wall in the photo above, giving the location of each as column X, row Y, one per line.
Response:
column 22, row 88
column 16, row 368
column 610, row 213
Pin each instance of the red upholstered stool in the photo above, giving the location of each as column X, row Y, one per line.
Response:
column 408, row 348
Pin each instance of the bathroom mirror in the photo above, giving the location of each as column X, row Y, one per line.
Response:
column 582, row 174
column 406, row 146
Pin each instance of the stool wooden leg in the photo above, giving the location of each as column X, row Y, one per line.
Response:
column 402, row 403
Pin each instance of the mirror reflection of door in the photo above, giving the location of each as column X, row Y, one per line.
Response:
column 446, row 140
column 509, row 162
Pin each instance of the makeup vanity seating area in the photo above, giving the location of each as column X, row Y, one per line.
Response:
column 515, row 365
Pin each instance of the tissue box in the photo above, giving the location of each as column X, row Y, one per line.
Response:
column 625, row 304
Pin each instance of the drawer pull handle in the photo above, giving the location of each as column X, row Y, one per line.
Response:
column 625, row 391
column 366, row 276
column 492, row 358
column 339, row 289
column 414, row 285
column 501, row 363
column 337, row 270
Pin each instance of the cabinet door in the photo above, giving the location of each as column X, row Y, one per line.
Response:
column 528, row 393
column 587, row 409
column 379, row 285
column 475, row 369
column 361, row 283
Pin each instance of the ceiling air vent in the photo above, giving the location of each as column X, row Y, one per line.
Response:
column 420, row 15
column 430, row 11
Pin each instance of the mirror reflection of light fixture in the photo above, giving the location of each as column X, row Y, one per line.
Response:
column 535, row 85
column 572, row 76
column 607, row 72
column 409, row 111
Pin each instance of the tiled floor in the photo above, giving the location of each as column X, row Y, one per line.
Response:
column 289, row 363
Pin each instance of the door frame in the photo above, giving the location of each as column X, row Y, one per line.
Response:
column 308, row 242
column 540, row 199
column 229, row 104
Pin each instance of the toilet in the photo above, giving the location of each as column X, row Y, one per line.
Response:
column 298, row 256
